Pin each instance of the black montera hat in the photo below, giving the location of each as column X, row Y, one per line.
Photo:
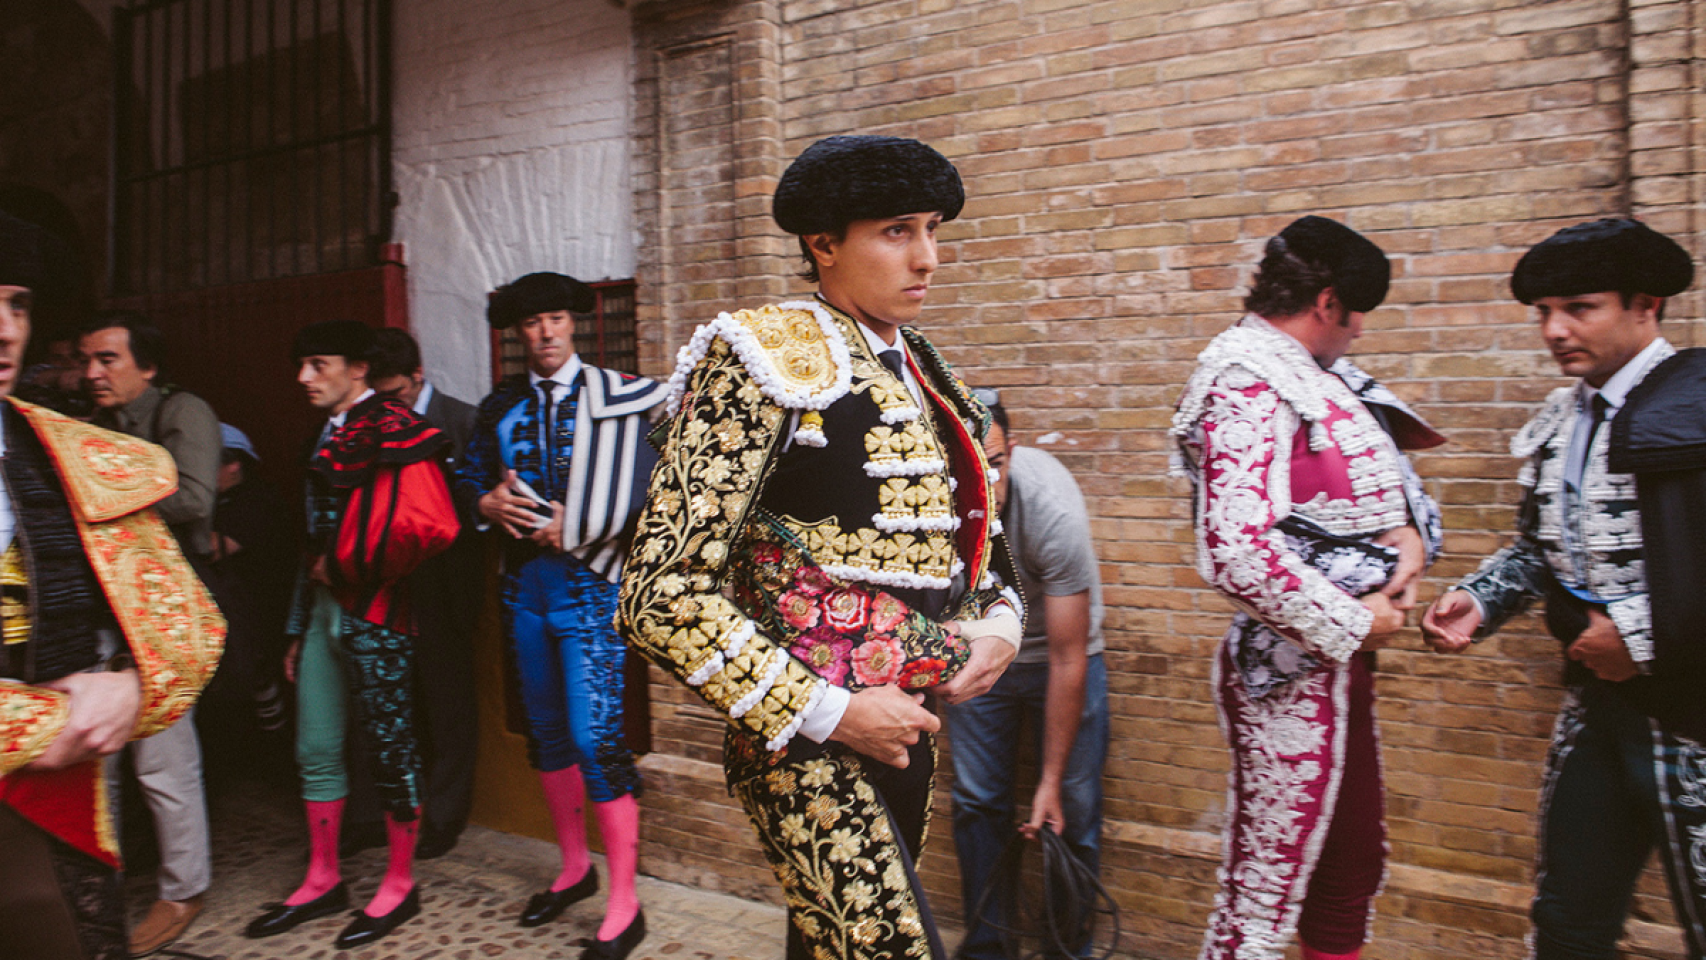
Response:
column 842, row 179
column 537, row 293
column 1361, row 273
column 335, row 338
column 23, row 261
column 1605, row 255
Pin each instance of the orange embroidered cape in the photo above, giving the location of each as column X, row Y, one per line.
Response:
column 168, row 617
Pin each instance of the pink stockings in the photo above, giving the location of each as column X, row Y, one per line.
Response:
column 399, row 869
column 324, row 819
column 618, row 823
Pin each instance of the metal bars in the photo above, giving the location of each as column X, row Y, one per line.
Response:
column 252, row 141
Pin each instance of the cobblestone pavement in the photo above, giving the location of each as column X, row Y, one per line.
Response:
column 470, row 899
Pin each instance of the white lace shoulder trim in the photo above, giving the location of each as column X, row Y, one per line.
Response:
column 1253, row 352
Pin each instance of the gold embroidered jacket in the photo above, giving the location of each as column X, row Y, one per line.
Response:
column 803, row 510
column 174, row 630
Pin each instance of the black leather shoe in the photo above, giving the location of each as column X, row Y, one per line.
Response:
column 435, row 842
column 624, row 944
column 365, row 929
column 280, row 918
column 547, row 906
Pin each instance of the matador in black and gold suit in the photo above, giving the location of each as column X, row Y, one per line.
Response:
column 819, row 513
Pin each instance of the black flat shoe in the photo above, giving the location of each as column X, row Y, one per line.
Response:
column 624, row 944
column 280, row 918
column 544, row 907
column 365, row 929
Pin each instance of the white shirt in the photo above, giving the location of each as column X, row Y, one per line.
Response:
column 424, row 399
column 1615, row 392
column 879, row 347
column 564, row 376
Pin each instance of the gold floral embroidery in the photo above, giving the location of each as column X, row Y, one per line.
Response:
column 928, row 554
column 106, row 474
column 837, row 856
column 926, row 498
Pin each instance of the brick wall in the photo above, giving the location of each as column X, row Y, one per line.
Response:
column 1124, row 161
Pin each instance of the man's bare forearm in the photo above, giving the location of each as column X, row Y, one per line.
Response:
column 1068, row 661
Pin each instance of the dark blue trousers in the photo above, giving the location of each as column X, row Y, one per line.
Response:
column 570, row 659
column 1616, row 786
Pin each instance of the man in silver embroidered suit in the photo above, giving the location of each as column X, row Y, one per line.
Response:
column 1622, row 775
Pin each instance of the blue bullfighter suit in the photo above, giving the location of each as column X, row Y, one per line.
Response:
column 577, row 439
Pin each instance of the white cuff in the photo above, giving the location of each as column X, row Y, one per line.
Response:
column 826, row 715
column 1634, row 619
column 1002, row 622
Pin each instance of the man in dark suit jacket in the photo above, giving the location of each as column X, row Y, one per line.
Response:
column 447, row 592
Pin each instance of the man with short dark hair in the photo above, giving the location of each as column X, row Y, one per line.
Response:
column 377, row 505
column 121, row 353
column 558, row 463
column 1309, row 518
column 447, row 592
column 819, row 548
column 108, row 636
column 1057, row 687
column 1609, row 534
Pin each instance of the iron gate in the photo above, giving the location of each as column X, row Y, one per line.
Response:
column 252, row 141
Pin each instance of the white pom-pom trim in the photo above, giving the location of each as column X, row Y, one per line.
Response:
column 914, row 524
column 757, row 360
column 904, row 468
column 772, row 670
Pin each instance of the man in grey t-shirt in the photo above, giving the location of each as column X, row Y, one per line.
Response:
column 1058, row 685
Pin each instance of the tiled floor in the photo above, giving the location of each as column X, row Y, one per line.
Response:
column 470, row 898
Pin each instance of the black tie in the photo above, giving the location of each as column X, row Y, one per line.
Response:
column 548, row 449
column 1599, row 406
column 896, row 364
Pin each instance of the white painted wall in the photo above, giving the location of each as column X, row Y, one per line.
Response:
column 513, row 129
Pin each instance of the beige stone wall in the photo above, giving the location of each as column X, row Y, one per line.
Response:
column 1124, row 161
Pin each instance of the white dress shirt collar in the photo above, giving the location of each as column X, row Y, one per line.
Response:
column 1616, row 389
column 336, row 420
column 422, row 401
column 564, row 376
column 878, row 348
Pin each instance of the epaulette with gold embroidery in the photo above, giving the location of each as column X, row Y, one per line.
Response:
column 795, row 353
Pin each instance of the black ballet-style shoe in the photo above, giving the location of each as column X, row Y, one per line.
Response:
column 280, row 918
column 544, row 907
column 365, row 929
column 624, row 944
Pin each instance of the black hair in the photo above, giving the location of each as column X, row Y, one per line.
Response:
column 395, row 354
column 1286, row 283
column 147, row 343
column 811, row 273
